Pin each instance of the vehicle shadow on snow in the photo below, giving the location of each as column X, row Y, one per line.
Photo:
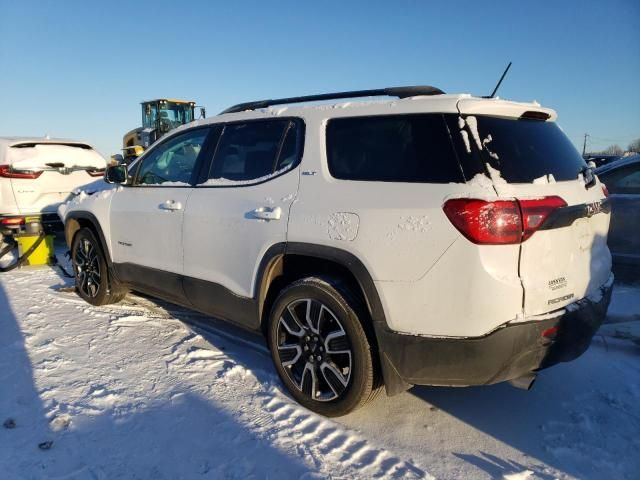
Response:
column 24, row 423
column 188, row 436
column 184, row 436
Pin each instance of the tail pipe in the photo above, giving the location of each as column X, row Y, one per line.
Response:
column 525, row 382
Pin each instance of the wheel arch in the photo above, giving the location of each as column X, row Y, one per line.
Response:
column 293, row 260
column 284, row 263
column 74, row 221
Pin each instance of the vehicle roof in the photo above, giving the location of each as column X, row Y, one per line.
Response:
column 10, row 141
column 622, row 162
column 447, row 103
column 7, row 142
column 167, row 100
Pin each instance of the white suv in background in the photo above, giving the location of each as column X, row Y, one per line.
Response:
column 38, row 174
column 429, row 239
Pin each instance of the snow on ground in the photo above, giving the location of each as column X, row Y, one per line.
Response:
column 144, row 390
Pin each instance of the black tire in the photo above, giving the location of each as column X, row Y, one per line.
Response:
column 310, row 357
column 90, row 270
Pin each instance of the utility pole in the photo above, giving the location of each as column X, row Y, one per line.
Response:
column 584, row 145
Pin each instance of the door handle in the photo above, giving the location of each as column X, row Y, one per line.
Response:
column 267, row 213
column 170, row 205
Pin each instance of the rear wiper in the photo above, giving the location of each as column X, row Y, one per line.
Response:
column 589, row 177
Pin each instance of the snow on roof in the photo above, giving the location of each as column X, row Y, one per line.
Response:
column 6, row 142
column 447, row 103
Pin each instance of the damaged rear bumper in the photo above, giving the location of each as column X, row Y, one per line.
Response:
column 511, row 351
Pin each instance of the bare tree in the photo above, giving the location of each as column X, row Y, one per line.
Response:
column 613, row 150
column 634, row 146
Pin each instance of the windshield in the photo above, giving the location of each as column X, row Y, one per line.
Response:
column 522, row 150
column 165, row 115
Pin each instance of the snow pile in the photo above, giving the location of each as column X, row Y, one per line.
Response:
column 496, row 177
column 482, row 182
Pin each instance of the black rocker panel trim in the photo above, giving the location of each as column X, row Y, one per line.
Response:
column 166, row 285
column 207, row 297
column 220, row 302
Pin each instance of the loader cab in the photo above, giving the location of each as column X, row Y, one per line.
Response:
column 164, row 115
column 159, row 117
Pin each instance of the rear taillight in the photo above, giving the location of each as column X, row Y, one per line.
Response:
column 96, row 173
column 535, row 212
column 485, row 222
column 605, row 190
column 12, row 221
column 499, row 222
column 7, row 172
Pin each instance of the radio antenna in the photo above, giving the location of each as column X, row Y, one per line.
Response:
column 493, row 94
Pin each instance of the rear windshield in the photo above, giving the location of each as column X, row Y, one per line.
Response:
column 40, row 156
column 392, row 148
column 521, row 150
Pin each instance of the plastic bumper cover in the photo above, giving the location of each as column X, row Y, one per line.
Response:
column 514, row 350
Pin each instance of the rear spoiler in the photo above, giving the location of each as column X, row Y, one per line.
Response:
column 31, row 144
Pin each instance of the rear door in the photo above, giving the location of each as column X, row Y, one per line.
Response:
column 240, row 209
column 146, row 217
column 44, row 174
column 528, row 157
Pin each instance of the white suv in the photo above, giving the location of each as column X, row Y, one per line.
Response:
column 38, row 174
column 430, row 239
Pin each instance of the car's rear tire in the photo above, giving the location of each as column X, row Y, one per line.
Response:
column 93, row 282
column 320, row 348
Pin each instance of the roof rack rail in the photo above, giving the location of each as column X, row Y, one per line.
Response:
column 400, row 92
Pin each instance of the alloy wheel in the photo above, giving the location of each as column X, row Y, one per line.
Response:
column 87, row 266
column 314, row 350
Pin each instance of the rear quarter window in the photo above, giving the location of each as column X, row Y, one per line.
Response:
column 392, row 148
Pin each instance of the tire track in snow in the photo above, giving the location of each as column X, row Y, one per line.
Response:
column 324, row 444
column 328, row 439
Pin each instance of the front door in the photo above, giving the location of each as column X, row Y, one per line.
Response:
column 147, row 216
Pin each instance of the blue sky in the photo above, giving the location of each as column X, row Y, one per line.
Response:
column 78, row 69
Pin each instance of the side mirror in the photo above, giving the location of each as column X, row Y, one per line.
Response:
column 203, row 112
column 116, row 174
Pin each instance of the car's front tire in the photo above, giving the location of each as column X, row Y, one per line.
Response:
column 90, row 270
column 319, row 347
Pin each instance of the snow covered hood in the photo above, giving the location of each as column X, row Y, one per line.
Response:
column 36, row 153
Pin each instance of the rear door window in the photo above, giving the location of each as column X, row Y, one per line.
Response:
column 521, row 150
column 253, row 150
column 392, row 148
